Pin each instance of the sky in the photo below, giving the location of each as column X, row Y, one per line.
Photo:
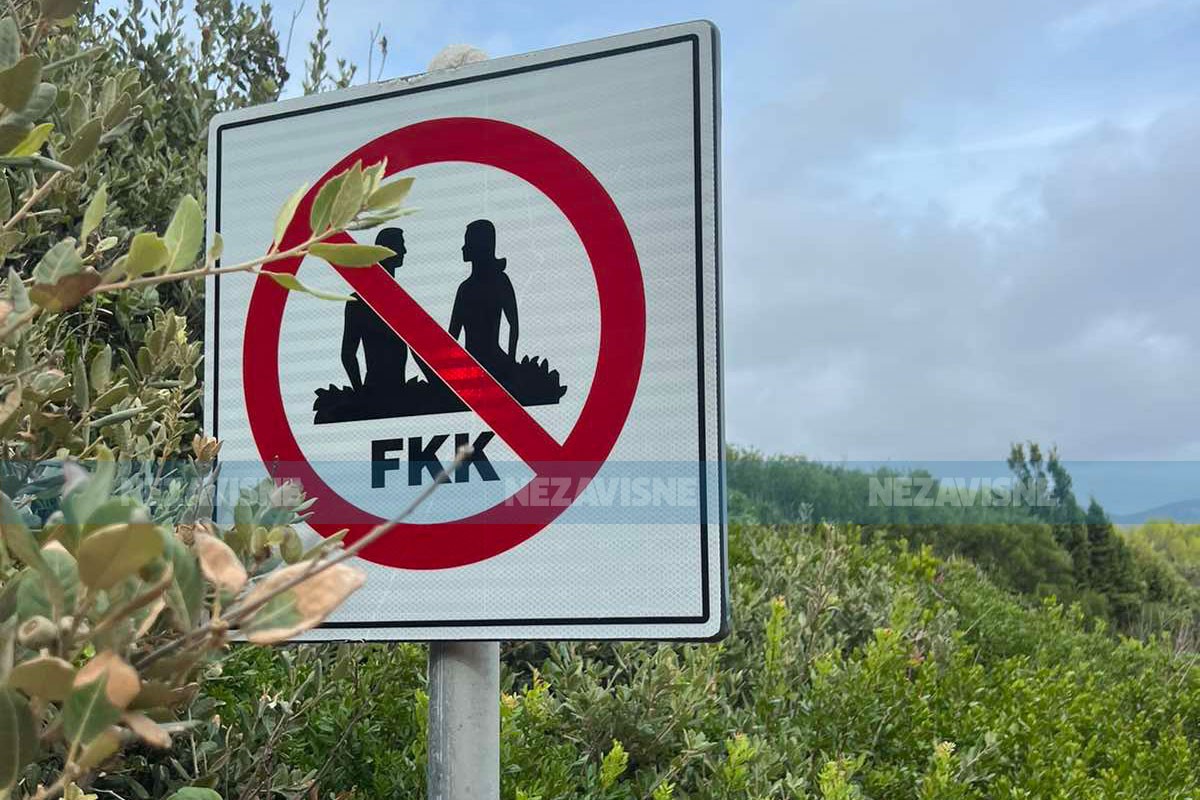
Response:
column 948, row 225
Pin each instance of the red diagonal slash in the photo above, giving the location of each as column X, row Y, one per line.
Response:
column 462, row 373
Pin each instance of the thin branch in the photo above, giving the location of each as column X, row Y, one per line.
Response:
column 287, row 50
column 239, row 613
column 132, row 605
column 460, row 458
column 33, row 200
column 206, row 270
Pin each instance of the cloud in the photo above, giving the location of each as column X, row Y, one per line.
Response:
column 851, row 74
column 1101, row 16
column 856, row 331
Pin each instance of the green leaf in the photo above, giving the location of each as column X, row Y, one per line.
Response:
column 87, row 139
column 349, row 197
column 10, row 42
column 42, row 100
column 37, row 161
column 284, row 217
column 112, row 554
column 33, row 141
column 293, row 284
column 318, row 216
column 147, row 253
column 119, row 110
column 17, row 293
column 60, row 9
column 18, row 82
column 19, row 734
column 108, row 92
column 351, row 255
column 87, row 713
column 94, row 213
column 185, row 234
column 186, row 594
column 391, row 194
column 114, row 511
column 79, row 384
column 49, row 594
column 9, row 240
column 195, row 793
column 101, row 370
column 291, row 548
column 17, row 538
column 6, row 204
column 76, row 114
column 217, row 248
column 377, row 217
column 12, row 133
column 118, row 392
column 117, row 417
column 613, row 765
column 59, row 261
column 81, row 502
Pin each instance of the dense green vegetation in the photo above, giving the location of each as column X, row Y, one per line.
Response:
column 1055, row 548
column 853, row 670
column 1178, row 544
column 117, row 590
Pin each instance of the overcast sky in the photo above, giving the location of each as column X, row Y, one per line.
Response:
column 949, row 225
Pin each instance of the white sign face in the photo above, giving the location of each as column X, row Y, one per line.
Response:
column 553, row 302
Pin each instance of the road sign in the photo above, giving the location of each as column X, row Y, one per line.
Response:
column 554, row 303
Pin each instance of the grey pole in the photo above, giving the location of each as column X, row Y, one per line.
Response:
column 464, row 677
column 464, row 721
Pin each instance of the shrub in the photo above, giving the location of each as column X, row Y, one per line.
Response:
column 117, row 592
column 854, row 669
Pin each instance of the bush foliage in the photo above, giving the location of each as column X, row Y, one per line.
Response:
column 854, row 670
column 117, row 591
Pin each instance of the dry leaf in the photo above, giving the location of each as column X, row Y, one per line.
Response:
column 302, row 607
column 156, row 608
column 219, row 563
column 147, row 730
column 47, row 677
column 123, row 683
column 113, row 553
column 157, row 694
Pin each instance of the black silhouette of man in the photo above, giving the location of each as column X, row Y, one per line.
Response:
column 482, row 298
column 385, row 353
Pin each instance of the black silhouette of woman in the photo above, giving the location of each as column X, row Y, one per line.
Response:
column 385, row 353
column 482, row 298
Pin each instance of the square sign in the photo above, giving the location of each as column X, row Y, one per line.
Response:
column 553, row 302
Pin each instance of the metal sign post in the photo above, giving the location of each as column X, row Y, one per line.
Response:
column 464, row 721
column 463, row 739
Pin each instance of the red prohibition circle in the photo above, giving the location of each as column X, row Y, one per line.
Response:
column 587, row 206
